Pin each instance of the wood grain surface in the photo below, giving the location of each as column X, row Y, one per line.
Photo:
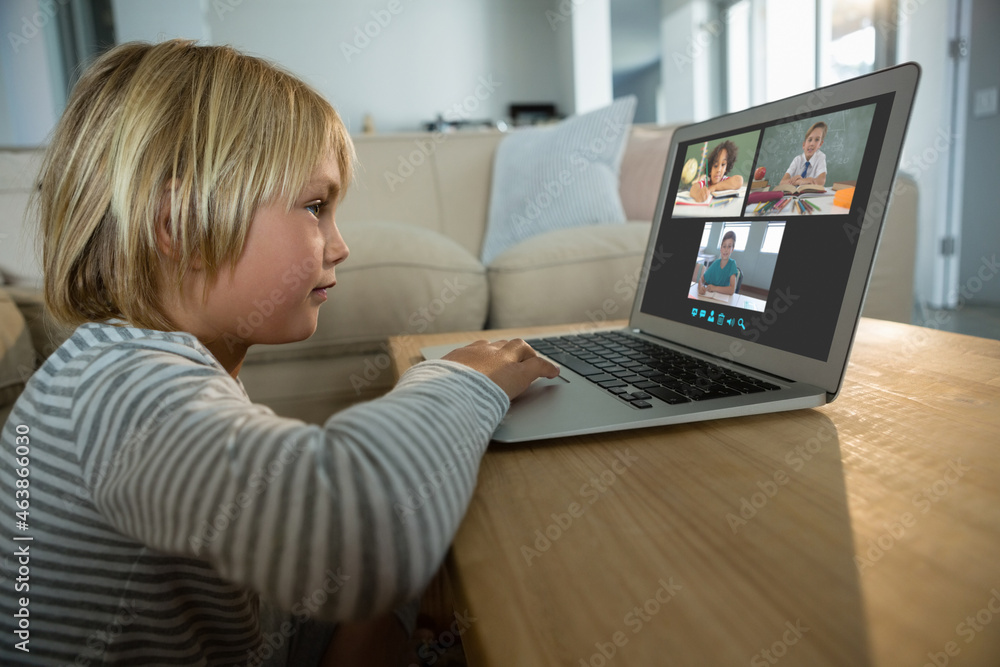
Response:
column 865, row 532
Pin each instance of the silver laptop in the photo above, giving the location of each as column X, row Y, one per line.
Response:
column 748, row 298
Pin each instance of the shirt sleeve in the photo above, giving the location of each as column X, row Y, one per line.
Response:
column 795, row 168
column 820, row 165
column 338, row 522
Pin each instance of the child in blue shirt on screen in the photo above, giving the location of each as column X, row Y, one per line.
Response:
column 720, row 276
column 173, row 520
column 809, row 167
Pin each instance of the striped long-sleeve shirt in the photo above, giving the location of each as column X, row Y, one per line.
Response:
column 163, row 505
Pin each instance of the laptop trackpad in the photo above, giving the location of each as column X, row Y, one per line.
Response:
column 543, row 386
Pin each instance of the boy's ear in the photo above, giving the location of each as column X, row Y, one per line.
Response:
column 164, row 230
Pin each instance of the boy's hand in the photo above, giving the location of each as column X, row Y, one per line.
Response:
column 512, row 364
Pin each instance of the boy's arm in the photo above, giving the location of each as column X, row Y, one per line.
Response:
column 341, row 522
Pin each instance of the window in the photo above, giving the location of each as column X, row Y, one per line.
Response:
column 847, row 44
column 742, row 230
column 705, row 234
column 778, row 48
column 772, row 237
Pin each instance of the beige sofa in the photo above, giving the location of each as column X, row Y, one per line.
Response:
column 414, row 220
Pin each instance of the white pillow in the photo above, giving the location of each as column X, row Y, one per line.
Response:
column 558, row 176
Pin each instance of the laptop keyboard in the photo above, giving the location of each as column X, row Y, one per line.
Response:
column 637, row 371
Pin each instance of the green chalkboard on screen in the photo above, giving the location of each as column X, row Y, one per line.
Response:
column 844, row 145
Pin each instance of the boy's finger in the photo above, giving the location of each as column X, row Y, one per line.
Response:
column 542, row 367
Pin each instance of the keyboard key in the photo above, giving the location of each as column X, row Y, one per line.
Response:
column 611, row 383
column 664, row 394
column 641, row 404
column 600, row 377
column 716, row 392
column 641, row 395
column 574, row 364
column 646, row 384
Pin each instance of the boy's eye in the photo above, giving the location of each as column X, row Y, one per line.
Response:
column 315, row 208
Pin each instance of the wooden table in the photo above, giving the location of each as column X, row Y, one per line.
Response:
column 866, row 532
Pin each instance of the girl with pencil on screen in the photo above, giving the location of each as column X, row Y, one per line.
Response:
column 720, row 163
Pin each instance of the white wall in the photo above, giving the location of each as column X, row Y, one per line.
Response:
column 26, row 28
column 155, row 20
column 686, row 67
column 923, row 37
column 592, row 77
column 402, row 61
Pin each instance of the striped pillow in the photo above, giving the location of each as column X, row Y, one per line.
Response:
column 559, row 176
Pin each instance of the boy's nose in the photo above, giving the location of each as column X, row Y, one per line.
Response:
column 336, row 248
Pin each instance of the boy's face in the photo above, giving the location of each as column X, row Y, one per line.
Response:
column 280, row 280
column 720, row 166
column 727, row 248
column 812, row 143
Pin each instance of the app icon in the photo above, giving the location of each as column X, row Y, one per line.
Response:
column 711, row 316
column 694, row 312
column 702, row 314
column 740, row 322
column 730, row 321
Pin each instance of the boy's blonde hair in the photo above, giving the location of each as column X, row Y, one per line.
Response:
column 203, row 133
column 821, row 125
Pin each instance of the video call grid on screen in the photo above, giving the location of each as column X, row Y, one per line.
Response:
column 793, row 265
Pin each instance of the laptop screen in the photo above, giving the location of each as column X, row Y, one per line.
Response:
column 759, row 225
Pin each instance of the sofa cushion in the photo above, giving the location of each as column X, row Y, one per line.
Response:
column 17, row 355
column 642, row 171
column 559, row 176
column 399, row 279
column 570, row 275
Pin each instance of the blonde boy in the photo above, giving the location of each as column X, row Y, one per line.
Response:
column 172, row 520
column 809, row 167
